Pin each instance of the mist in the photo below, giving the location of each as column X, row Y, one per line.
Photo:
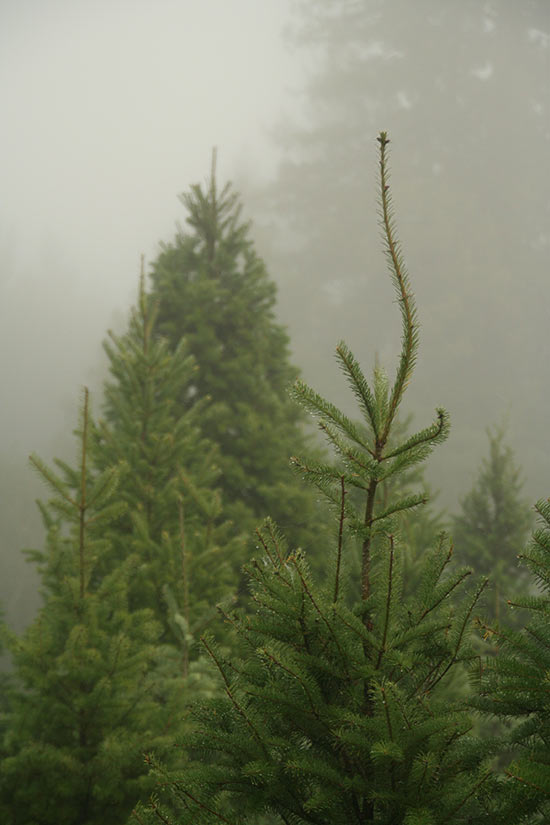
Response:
column 111, row 109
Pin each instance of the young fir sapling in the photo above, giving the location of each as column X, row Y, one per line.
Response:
column 339, row 710
column 82, row 709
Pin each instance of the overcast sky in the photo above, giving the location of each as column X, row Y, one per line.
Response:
column 109, row 111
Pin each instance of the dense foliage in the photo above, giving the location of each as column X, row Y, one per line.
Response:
column 214, row 292
column 85, row 709
column 323, row 700
column 514, row 688
column 174, row 520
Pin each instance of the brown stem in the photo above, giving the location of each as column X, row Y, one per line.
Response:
column 340, row 539
column 365, row 554
column 406, row 299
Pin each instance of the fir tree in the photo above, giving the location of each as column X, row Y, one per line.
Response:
column 341, row 714
column 215, row 293
column 514, row 689
column 83, row 713
column 494, row 521
column 174, row 523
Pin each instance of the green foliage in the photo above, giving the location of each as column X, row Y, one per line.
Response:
column 339, row 709
column 215, row 293
column 494, row 522
column 326, row 720
column 83, row 712
column 514, row 688
column 174, row 523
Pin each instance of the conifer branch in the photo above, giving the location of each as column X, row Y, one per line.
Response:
column 404, row 296
column 462, row 631
column 159, row 814
column 360, row 387
column 388, row 606
column 431, row 435
column 229, row 692
column 390, row 731
column 399, row 506
column 202, row 805
column 294, row 675
column 317, row 405
column 524, row 781
column 320, row 613
column 185, row 583
column 475, row 787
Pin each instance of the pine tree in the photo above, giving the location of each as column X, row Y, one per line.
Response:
column 514, row 688
column 215, row 293
column 84, row 710
column 494, row 522
column 174, row 522
column 336, row 713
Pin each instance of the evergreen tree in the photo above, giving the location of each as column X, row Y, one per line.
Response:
column 341, row 714
column 84, row 712
column 421, row 527
column 514, row 688
column 494, row 521
column 215, row 293
column 444, row 64
column 174, row 522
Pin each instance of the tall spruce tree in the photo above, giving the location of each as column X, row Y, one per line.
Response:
column 494, row 522
column 215, row 293
column 174, row 522
column 338, row 714
column 84, row 711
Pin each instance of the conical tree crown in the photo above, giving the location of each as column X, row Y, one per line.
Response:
column 174, row 521
column 83, row 710
column 214, row 292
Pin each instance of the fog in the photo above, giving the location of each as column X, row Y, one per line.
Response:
column 111, row 109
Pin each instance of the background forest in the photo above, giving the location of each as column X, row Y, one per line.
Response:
column 183, row 448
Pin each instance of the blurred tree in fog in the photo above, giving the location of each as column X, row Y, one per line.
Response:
column 214, row 293
column 464, row 88
column 490, row 531
column 514, row 687
column 174, row 521
column 82, row 708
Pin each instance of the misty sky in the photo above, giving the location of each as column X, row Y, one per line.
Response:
column 109, row 111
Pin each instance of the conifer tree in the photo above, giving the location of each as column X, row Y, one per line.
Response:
column 493, row 523
column 514, row 688
column 174, row 522
column 84, row 712
column 339, row 714
column 214, row 291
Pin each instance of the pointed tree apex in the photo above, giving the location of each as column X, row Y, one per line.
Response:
column 214, row 160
